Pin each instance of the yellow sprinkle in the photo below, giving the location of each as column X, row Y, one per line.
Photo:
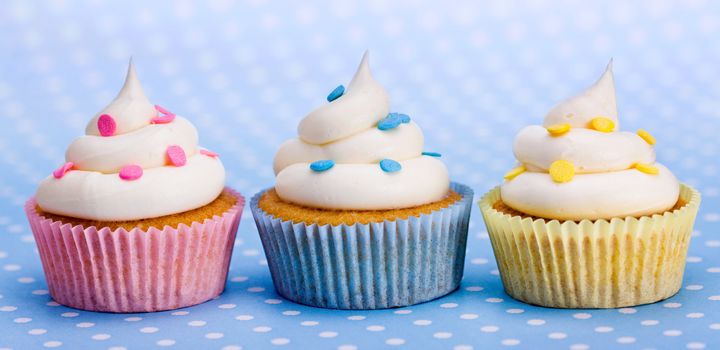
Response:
column 646, row 136
column 514, row 172
column 558, row 129
column 646, row 168
column 562, row 171
column 602, row 124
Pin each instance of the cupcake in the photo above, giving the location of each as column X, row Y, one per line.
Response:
column 360, row 217
column 138, row 218
column 589, row 219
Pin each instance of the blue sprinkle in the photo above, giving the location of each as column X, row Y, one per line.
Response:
column 432, row 154
column 322, row 165
column 392, row 121
column 335, row 94
column 404, row 118
column 390, row 166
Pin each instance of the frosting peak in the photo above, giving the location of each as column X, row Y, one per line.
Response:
column 596, row 101
column 130, row 109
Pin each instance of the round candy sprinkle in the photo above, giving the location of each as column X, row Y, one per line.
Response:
column 392, row 121
column 514, row 172
column 63, row 169
column 562, row 171
column 646, row 168
column 165, row 118
column 106, row 125
column 646, row 136
column 209, row 153
column 322, row 165
column 558, row 129
column 176, row 155
column 432, row 154
column 390, row 166
column 335, row 94
column 130, row 172
column 602, row 124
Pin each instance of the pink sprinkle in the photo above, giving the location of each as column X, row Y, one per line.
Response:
column 165, row 118
column 106, row 125
column 131, row 172
column 176, row 155
column 60, row 172
column 209, row 153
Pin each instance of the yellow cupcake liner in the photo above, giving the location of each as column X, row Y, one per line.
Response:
column 591, row 264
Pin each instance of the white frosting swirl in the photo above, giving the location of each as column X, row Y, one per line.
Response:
column 605, row 184
column 345, row 132
column 93, row 190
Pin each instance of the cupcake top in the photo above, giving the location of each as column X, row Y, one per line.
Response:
column 577, row 165
column 136, row 161
column 353, row 154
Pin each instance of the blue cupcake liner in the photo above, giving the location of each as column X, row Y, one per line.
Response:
column 367, row 266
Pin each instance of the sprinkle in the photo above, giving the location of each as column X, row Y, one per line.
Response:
column 646, row 168
column 176, row 155
column 335, row 94
column 646, row 136
column 390, row 166
column 392, row 121
column 209, row 153
column 322, row 165
column 562, row 171
column 404, row 118
column 130, row 172
column 602, row 124
column 165, row 118
column 62, row 170
column 106, row 125
column 514, row 172
column 558, row 129
column 432, row 154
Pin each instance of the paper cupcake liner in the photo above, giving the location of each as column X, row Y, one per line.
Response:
column 138, row 270
column 367, row 266
column 591, row 264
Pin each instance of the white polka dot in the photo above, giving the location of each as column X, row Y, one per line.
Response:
column 214, row 335
column 8, row 308
column 280, row 341
column 273, row 301
column 375, row 328
column 672, row 305
column 422, row 322
column 40, row 292
column 291, row 313
column 693, row 259
column 489, row 329
column 469, row 316
column 239, row 279
column 101, row 336
column 348, row 347
column 149, row 330
column 165, row 342
column 402, row 312
column 309, row 323
column 117, row 348
column 69, row 314
column 37, row 331
column 557, row 335
column 395, row 341
column 510, row 342
column 328, row 334
column 649, row 322
column 695, row 346
column 442, row 335
column 514, row 311
column 26, row 280
column 227, row 306
column 672, row 332
column 52, row 344
column 694, row 287
column 448, row 305
column 244, row 317
column 479, row 261
column 22, row 320
column 626, row 340
column 627, row 310
column 582, row 316
column 714, row 297
column 52, row 304
column 232, row 347
column 85, row 325
column 695, row 315
column 356, row 318
column 474, row 289
column 463, row 347
column 715, row 326
column 180, row 313
column 133, row 319
column 256, row 289
column 494, row 300
column 713, row 269
column 604, row 329
column 579, row 347
column 197, row 323
column 536, row 322
column 262, row 329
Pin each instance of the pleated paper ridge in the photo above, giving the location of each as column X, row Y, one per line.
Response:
column 138, row 270
column 591, row 264
column 367, row 266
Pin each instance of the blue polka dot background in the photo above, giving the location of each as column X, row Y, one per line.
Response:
column 470, row 73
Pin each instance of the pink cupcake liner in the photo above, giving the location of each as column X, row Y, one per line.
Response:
column 138, row 270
